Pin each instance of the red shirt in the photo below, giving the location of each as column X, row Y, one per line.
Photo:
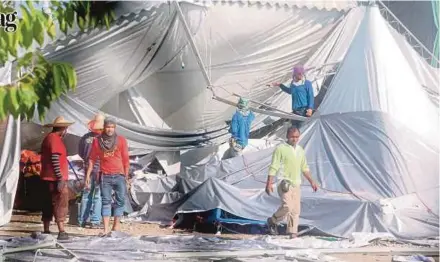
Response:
column 112, row 163
column 53, row 144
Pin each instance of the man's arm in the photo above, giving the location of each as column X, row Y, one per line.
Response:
column 125, row 157
column 55, row 159
column 94, row 155
column 234, row 126
column 273, row 168
column 56, row 151
column 310, row 95
column 306, row 172
column 285, row 89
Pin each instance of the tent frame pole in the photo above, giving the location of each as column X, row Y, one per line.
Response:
column 193, row 44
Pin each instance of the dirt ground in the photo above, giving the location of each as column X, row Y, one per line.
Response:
column 25, row 223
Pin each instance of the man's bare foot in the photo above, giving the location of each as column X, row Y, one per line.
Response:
column 293, row 236
column 104, row 234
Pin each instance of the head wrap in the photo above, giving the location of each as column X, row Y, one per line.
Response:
column 108, row 143
column 298, row 70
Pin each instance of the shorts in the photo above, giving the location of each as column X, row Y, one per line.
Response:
column 55, row 204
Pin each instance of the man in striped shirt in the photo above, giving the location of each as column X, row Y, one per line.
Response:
column 54, row 174
column 293, row 159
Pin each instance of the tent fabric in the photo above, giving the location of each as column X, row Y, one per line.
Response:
column 436, row 49
column 152, row 75
column 419, row 18
column 9, row 167
column 378, row 84
column 379, row 171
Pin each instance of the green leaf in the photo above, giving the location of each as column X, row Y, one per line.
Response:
column 3, row 93
column 28, row 97
column 70, row 74
column 41, row 112
column 70, row 16
column 107, row 21
column 51, row 30
column 81, row 23
column 11, row 102
column 38, row 31
column 63, row 26
column 13, row 44
column 57, row 77
column 27, row 36
column 26, row 16
column 26, row 60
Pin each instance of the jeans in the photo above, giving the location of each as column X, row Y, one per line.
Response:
column 300, row 112
column 117, row 184
column 91, row 197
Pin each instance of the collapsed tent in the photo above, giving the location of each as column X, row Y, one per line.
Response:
column 144, row 72
column 375, row 157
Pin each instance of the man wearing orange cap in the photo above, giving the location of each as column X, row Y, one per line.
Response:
column 54, row 175
column 91, row 203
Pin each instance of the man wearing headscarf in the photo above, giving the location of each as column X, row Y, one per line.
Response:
column 91, row 197
column 301, row 91
column 240, row 129
column 112, row 151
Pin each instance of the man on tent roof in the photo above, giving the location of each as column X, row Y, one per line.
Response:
column 301, row 91
column 240, row 129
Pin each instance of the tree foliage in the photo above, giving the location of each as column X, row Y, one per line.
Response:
column 39, row 81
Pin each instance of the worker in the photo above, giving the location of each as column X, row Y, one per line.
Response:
column 111, row 150
column 91, row 197
column 54, row 175
column 240, row 129
column 292, row 158
column 302, row 94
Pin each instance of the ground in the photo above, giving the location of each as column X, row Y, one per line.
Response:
column 24, row 223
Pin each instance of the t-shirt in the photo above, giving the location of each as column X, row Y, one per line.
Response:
column 114, row 162
column 53, row 144
column 292, row 159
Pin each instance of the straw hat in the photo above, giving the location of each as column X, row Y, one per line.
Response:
column 60, row 122
column 97, row 123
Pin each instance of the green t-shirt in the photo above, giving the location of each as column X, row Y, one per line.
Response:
column 292, row 159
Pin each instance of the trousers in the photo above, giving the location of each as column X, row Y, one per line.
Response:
column 290, row 207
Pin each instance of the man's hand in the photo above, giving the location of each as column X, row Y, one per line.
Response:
column 314, row 187
column 269, row 189
column 309, row 112
column 276, row 84
column 87, row 183
column 127, row 183
column 60, row 185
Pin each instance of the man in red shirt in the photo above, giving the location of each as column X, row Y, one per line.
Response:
column 54, row 173
column 112, row 151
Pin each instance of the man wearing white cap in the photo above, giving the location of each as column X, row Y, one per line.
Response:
column 91, row 203
column 54, row 174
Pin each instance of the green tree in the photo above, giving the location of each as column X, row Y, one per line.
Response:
column 40, row 81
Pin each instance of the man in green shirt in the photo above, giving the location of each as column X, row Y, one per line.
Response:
column 293, row 159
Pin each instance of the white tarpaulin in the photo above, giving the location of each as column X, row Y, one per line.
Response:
column 378, row 171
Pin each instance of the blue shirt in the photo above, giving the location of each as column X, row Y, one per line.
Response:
column 302, row 95
column 241, row 127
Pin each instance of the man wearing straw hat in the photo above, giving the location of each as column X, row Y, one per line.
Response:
column 240, row 129
column 54, row 174
column 91, row 197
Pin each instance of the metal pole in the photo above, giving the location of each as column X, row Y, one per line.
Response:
column 409, row 32
column 192, row 43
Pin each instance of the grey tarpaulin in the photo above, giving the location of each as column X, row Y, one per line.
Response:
column 372, row 146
